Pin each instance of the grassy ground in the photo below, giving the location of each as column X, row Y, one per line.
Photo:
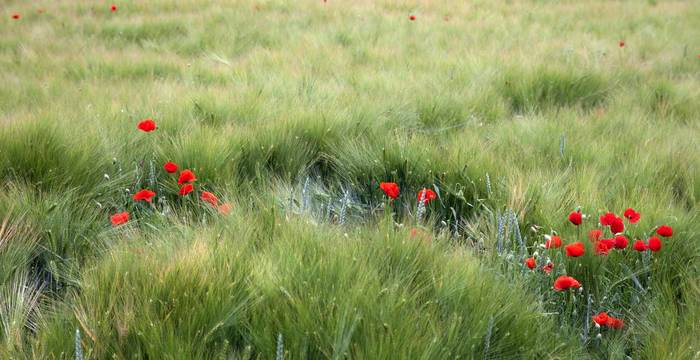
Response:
column 294, row 112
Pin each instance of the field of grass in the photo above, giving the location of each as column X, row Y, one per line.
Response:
column 515, row 113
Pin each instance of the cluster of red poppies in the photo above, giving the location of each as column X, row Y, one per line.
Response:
column 391, row 190
column 615, row 225
column 185, row 180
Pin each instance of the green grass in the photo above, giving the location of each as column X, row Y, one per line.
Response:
column 281, row 108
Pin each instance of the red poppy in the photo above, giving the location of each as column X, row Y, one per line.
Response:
column 601, row 319
column 530, row 263
column 665, row 231
column 147, row 125
column 186, row 176
column 575, row 249
column 575, row 217
column 553, row 241
column 620, row 242
column 607, row 219
column 390, row 189
column 146, row 195
column 621, row 43
column 654, row 244
column 632, row 215
column 113, row 8
column 548, row 268
column 170, row 167
column 615, row 323
column 186, row 189
column 609, row 243
column 429, row 194
column 601, row 247
column 617, row 226
column 120, row 218
column 565, row 283
column 16, row 16
column 639, row 245
column 225, row 208
column 210, row 198
column 595, row 234
column 412, row 17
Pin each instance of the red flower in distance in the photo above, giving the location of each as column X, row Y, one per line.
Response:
column 113, row 8
column 565, row 282
column 186, row 189
column 621, row 43
column 615, row 323
column 665, row 231
column 617, row 226
column 530, row 263
column 654, row 244
column 147, row 125
column 575, row 249
column 639, row 245
column 621, row 242
column 632, row 215
column 553, row 241
column 210, row 198
column 607, row 218
column 16, row 16
column 548, row 268
column 429, row 194
column 601, row 319
column 120, row 218
column 145, row 195
column 225, row 208
column 601, row 247
column 186, row 176
column 595, row 234
column 412, row 18
column 170, row 167
column 575, row 217
column 390, row 189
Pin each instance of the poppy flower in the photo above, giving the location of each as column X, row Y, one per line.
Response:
column 553, row 241
column 113, row 8
column 210, row 198
column 654, row 244
column 631, row 215
column 615, row 323
column 412, row 17
column 595, row 234
column 665, row 231
column 601, row 319
column 617, row 226
column 16, row 16
column 548, row 268
column 621, row 43
column 620, row 242
column 530, row 263
column 429, row 194
column 186, row 189
column 225, row 208
column 565, row 282
column 607, row 218
column 145, row 195
column 147, row 125
column 609, row 243
column 575, row 249
column 186, row 176
column 170, row 167
column 601, row 247
column 390, row 189
column 639, row 245
column 575, row 217
column 120, row 218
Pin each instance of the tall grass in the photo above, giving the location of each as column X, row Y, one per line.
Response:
column 515, row 113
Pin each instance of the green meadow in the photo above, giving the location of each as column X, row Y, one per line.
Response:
column 515, row 113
